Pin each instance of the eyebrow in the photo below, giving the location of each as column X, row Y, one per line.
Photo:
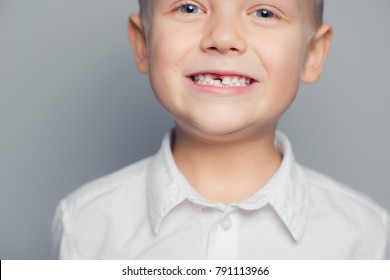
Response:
column 290, row 4
column 284, row 2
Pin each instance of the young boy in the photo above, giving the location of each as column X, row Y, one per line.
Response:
column 224, row 184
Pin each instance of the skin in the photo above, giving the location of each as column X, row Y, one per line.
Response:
column 224, row 139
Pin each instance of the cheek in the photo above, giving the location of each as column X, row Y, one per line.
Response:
column 162, row 54
column 166, row 53
column 167, row 48
column 162, row 59
column 283, row 61
column 282, row 67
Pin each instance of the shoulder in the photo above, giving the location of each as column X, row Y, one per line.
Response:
column 346, row 211
column 128, row 181
column 84, row 218
column 345, row 198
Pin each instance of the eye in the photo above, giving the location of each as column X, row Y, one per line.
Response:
column 263, row 13
column 189, row 9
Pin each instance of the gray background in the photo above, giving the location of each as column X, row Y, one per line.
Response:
column 73, row 107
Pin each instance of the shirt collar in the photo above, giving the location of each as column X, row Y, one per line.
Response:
column 285, row 192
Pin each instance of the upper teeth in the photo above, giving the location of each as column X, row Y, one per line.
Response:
column 220, row 81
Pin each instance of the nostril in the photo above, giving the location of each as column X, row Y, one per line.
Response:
column 222, row 50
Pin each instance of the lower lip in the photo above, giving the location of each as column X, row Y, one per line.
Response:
column 222, row 90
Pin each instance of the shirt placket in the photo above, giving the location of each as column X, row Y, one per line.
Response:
column 223, row 236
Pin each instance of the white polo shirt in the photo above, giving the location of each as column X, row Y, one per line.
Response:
column 148, row 210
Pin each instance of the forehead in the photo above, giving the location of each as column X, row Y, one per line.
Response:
column 289, row 2
column 308, row 10
column 305, row 7
column 302, row 5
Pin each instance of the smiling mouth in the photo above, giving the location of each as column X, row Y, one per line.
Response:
column 221, row 80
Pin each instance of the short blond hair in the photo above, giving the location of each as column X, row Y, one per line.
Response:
column 318, row 6
column 318, row 10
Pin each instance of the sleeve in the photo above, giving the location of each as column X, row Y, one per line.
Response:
column 387, row 256
column 62, row 245
column 57, row 232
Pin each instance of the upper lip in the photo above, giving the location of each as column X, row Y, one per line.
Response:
column 222, row 73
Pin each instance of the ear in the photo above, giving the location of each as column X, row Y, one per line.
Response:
column 138, row 42
column 318, row 52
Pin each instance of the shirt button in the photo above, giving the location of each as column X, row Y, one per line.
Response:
column 226, row 223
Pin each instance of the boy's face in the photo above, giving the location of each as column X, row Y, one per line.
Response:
column 253, row 55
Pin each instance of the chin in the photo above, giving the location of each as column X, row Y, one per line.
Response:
column 218, row 129
column 218, row 124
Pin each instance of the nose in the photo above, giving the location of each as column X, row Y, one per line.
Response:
column 224, row 36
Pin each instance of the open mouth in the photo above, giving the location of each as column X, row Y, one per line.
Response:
column 221, row 80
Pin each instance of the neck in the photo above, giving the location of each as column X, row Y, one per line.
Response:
column 226, row 171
